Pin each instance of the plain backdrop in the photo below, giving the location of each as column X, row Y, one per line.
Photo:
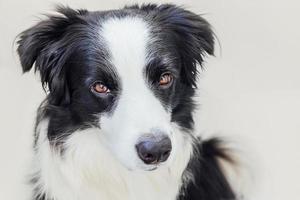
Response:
column 249, row 92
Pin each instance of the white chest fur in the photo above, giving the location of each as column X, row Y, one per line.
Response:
column 88, row 171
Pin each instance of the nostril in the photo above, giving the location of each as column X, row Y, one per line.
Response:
column 167, row 153
column 150, row 158
column 165, row 156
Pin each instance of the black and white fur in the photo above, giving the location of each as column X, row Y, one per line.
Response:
column 84, row 141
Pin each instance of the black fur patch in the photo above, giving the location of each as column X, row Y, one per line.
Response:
column 209, row 181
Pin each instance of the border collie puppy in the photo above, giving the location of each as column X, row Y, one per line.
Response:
column 117, row 121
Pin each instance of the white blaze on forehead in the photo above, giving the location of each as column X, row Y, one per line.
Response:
column 127, row 39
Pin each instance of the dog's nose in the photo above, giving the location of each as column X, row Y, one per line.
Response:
column 154, row 149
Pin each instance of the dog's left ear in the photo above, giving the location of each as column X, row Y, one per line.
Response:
column 193, row 36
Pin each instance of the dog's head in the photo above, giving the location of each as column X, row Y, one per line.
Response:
column 130, row 72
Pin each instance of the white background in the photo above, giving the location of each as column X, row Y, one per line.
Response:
column 250, row 92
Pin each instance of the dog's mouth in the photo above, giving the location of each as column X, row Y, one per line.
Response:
column 152, row 168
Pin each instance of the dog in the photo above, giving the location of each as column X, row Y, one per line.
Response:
column 117, row 122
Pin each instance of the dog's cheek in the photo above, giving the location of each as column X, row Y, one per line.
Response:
column 120, row 141
column 87, row 158
column 182, row 146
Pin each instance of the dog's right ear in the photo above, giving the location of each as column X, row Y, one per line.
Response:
column 32, row 42
column 44, row 46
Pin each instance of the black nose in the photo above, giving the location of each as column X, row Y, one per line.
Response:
column 154, row 149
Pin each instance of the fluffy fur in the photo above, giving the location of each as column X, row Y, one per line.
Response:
column 85, row 140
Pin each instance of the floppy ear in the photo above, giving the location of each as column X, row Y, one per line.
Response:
column 42, row 45
column 193, row 36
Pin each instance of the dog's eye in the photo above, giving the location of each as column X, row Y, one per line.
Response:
column 166, row 79
column 98, row 87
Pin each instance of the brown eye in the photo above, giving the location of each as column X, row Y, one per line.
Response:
column 100, row 88
column 165, row 79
